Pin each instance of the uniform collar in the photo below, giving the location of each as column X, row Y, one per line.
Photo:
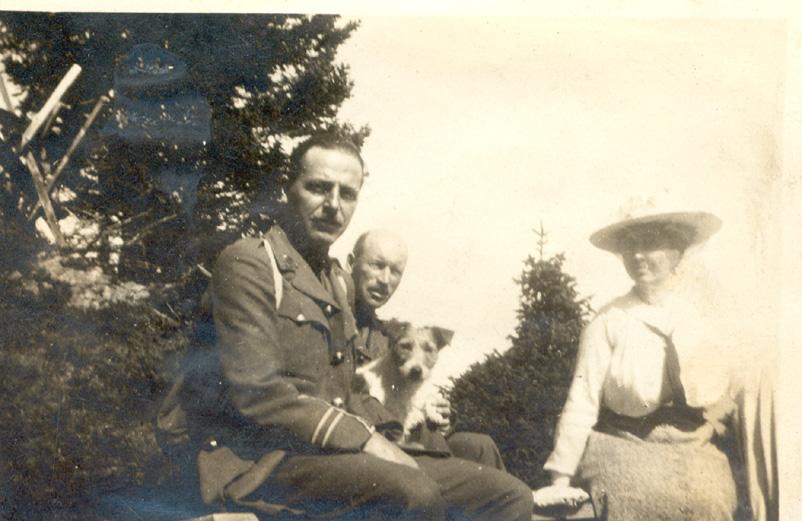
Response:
column 366, row 317
column 295, row 269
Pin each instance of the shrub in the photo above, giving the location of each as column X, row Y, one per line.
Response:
column 80, row 391
column 516, row 396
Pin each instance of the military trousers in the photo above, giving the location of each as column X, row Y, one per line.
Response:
column 477, row 447
column 359, row 486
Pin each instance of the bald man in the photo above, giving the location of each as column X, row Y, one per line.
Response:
column 377, row 263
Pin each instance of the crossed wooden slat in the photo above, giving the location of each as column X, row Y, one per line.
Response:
column 42, row 121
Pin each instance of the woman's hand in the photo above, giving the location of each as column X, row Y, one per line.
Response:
column 560, row 480
column 559, row 493
column 559, row 496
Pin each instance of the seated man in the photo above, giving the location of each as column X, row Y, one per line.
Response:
column 268, row 400
column 377, row 263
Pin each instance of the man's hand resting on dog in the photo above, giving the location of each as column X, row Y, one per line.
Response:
column 438, row 412
column 383, row 448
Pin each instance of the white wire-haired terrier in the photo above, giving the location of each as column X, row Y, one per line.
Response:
column 397, row 378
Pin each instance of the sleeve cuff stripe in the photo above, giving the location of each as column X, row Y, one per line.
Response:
column 337, row 419
column 320, row 424
column 365, row 424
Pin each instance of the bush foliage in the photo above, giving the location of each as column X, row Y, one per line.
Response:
column 516, row 396
column 80, row 389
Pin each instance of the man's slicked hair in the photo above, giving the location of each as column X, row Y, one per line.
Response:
column 326, row 141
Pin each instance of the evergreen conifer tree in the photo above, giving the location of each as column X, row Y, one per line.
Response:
column 516, row 396
column 81, row 386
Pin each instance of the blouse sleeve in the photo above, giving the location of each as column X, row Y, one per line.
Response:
column 581, row 409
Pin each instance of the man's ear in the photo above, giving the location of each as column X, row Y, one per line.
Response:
column 394, row 329
column 442, row 336
column 350, row 260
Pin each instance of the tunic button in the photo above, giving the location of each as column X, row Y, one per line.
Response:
column 328, row 309
column 339, row 357
column 300, row 317
column 338, row 402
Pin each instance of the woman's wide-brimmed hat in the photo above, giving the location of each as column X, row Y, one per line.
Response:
column 697, row 227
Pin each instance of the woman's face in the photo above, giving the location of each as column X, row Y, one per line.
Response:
column 650, row 258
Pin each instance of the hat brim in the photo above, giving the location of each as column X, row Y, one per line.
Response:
column 703, row 224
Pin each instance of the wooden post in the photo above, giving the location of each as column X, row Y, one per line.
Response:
column 51, row 181
column 51, row 118
column 50, row 105
column 44, row 199
column 4, row 92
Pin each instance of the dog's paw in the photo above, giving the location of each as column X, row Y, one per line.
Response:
column 438, row 412
column 414, row 420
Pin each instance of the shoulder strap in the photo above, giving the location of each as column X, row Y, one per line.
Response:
column 277, row 278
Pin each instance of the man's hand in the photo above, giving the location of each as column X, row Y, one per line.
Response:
column 438, row 412
column 383, row 448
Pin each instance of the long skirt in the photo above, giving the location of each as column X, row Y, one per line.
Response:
column 630, row 479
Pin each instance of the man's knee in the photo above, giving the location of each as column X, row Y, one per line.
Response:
column 504, row 497
column 520, row 501
column 477, row 447
column 425, row 502
column 416, row 497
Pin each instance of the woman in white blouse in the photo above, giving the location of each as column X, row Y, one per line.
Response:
column 650, row 399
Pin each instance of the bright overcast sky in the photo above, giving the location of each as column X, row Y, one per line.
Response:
column 484, row 127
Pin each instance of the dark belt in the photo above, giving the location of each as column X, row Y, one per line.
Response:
column 684, row 418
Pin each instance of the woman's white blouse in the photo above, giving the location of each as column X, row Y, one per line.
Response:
column 621, row 364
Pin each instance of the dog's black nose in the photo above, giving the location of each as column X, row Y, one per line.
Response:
column 416, row 373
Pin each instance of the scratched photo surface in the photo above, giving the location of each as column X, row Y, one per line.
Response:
column 134, row 148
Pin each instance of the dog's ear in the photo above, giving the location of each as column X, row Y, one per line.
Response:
column 442, row 337
column 394, row 329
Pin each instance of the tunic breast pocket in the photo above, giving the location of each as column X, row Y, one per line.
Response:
column 304, row 339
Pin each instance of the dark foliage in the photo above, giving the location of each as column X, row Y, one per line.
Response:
column 266, row 79
column 80, row 387
column 79, row 394
column 516, row 396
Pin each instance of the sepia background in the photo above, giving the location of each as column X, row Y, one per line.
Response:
column 484, row 127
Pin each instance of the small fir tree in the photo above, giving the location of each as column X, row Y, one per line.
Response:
column 516, row 396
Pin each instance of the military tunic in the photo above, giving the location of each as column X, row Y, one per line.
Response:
column 270, row 405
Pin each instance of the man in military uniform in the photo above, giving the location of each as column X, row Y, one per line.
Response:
column 268, row 400
column 377, row 264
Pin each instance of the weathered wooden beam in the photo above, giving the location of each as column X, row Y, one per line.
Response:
column 50, row 105
column 4, row 92
column 39, row 183
column 51, row 118
column 51, row 181
column 230, row 516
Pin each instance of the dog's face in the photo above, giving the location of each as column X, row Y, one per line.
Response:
column 415, row 349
